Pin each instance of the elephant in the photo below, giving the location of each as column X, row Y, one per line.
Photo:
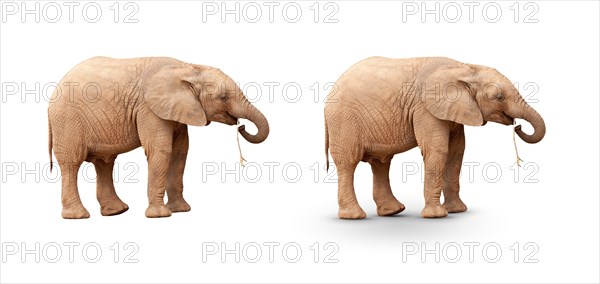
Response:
column 105, row 106
column 383, row 106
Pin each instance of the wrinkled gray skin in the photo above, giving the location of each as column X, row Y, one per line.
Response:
column 105, row 106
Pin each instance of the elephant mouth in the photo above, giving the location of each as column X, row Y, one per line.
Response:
column 505, row 119
column 230, row 119
column 225, row 118
column 509, row 120
column 501, row 118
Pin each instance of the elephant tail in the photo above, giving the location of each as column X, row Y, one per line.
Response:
column 50, row 143
column 326, row 148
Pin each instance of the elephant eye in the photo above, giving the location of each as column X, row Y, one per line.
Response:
column 223, row 97
column 500, row 97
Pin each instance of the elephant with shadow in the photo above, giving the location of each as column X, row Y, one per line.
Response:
column 383, row 106
column 104, row 107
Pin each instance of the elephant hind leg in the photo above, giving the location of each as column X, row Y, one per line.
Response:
column 70, row 152
column 347, row 152
column 110, row 203
column 348, row 204
column 71, row 202
column 349, row 207
column 387, row 204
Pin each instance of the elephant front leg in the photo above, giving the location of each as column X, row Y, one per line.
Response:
column 433, row 139
column 158, row 166
column 387, row 204
column 110, row 203
column 435, row 163
column 176, row 202
column 452, row 201
column 156, row 136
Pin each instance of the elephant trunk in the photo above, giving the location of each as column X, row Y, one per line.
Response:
column 246, row 110
column 526, row 112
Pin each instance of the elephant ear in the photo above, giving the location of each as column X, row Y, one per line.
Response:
column 169, row 94
column 448, row 95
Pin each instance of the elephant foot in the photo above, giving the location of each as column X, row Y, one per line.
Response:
column 455, row 206
column 351, row 212
column 389, row 208
column 75, row 212
column 113, row 208
column 434, row 211
column 157, row 211
column 178, row 205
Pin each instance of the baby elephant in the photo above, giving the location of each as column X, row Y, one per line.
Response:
column 384, row 106
column 104, row 107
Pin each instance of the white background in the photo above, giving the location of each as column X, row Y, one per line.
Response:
column 555, row 211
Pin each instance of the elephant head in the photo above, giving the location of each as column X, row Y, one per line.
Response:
column 473, row 95
column 197, row 95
